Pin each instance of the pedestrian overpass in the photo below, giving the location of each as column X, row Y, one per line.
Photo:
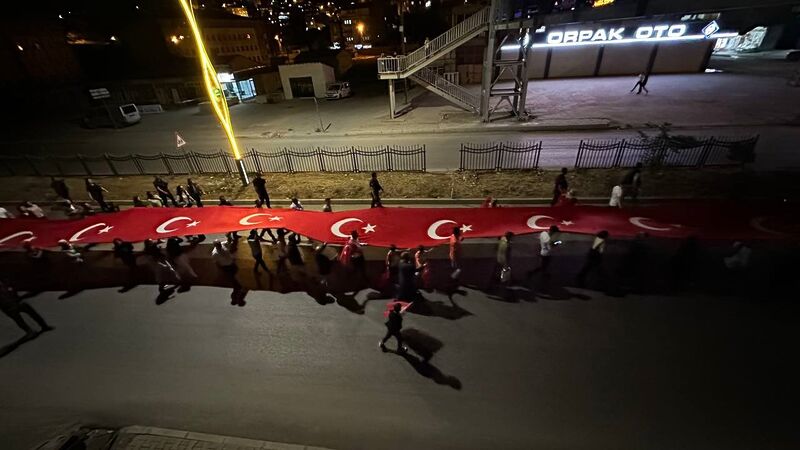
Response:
column 491, row 19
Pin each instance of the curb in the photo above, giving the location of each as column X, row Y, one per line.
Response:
column 215, row 438
column 595, row 125
column 408, row 201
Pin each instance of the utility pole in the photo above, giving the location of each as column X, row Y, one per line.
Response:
column 401, row 6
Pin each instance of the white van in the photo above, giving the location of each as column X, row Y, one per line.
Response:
column 111, row 117
column 338, row 90
column 130, row 113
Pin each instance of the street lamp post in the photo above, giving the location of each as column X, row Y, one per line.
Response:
column 214, row 90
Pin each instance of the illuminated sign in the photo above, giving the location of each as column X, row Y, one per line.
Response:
column 225, row 77
column 599, row 3
column 624, row 33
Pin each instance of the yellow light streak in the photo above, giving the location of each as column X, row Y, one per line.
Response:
column 210, row 80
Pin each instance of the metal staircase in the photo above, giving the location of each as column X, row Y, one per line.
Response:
column 439, row 85
column 510, row 20
column 403, row 66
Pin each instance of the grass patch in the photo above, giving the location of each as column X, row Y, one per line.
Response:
column 672, row 182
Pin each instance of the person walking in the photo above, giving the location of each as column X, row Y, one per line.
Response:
column 427, row 45
column 138, row 203
column 183, row 197
column 73, row 255
column 31, row 210
column 254, row 241
column 376, row 189
column 223, row 255
column 283, row 251
column 641, row 82
column 547, row 240
column 162, row 189
column 394, row 326
column 327, row 207
column 164, row 273
column 455, row 253
column 260, row 186
column 180, row 261
column 124, row 252
column 13, row 306
column 154, row 201
column 195, row 192
column 293, row 251
column 353, row 256
column 295, row 204
column 59, row 186
column 616, row 197
column 423, row 267
column 392, row 262
column 96, row 192
column 594, row 260
column 560, row 186
column 632, row 182
column 502, row 271
column 406, row 278
column 224, row 201
column 5, row 214
column 324, row 264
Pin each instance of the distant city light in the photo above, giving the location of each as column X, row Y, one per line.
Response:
column 19, row 47
column 113, row 38
column 60, row 16
column 174, row 39
column 428, row 4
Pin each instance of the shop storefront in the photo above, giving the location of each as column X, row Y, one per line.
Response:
column 622, row 48
column 241, row 89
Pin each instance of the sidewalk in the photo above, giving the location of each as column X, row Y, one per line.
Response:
column 152, row 438
column 441, row 188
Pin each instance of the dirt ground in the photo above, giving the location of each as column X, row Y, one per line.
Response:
column 672, row 182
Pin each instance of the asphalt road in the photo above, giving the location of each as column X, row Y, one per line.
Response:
column 775, row 149
column 591, row 373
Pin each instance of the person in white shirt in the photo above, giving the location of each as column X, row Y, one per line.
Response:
column 616, row 197
column 547, row 240
column 594, row 260
column 296, row 205
column 30, row 209
column 223, row 255
column 327, row 207
column 4, row 214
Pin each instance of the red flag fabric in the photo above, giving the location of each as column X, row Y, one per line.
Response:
column 390, row 306
column 409, row 227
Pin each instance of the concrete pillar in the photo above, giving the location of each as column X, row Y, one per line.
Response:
column 488, row 63
column 391, row 99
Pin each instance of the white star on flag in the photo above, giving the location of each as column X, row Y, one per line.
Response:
column 192, row 224
column 369, row 228
column 566, row 223
column 465, row 228
column 106, row 229
column 275, row 219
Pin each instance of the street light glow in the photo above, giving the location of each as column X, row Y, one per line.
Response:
column 360, row 28
column 212, row 85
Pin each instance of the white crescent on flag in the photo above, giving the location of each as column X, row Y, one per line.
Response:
column 434, row 228
column 336, row 228
column 163, row 227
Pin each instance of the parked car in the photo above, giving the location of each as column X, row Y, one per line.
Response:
column 338, row 90
column 112, row 116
